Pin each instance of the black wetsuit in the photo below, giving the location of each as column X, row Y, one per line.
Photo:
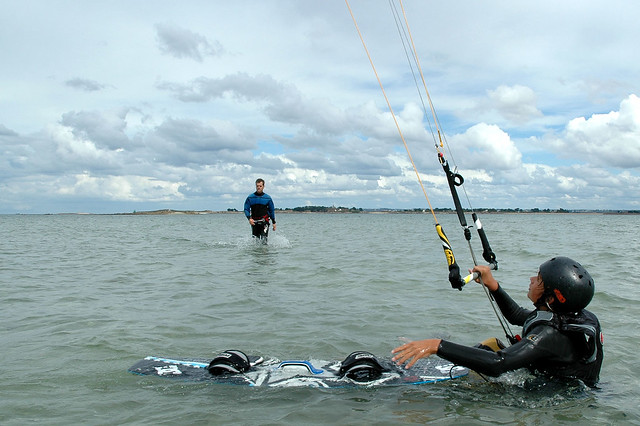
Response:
column 557, row 345
column 260, row 206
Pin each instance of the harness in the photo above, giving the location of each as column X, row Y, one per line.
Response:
column 583, row 326
column 263, row 219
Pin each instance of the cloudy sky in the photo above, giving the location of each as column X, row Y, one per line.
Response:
column 115, row 106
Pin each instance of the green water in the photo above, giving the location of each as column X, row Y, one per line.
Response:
column 85, row 297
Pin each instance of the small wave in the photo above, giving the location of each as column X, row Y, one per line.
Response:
column 274, row 241
column 522, row 389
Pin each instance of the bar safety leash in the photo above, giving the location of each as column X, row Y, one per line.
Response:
column 454, row 180
column 454, row 269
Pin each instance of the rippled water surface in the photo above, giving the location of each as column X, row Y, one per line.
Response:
column 86, row 296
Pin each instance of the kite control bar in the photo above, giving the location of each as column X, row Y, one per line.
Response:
column 456, row 280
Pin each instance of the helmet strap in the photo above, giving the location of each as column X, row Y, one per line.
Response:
column 546, row 302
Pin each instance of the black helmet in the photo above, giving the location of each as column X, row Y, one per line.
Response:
column 568, row 282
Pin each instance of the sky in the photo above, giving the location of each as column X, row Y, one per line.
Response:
column 121, row 106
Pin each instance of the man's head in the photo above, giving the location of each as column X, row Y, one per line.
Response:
column 259, row 186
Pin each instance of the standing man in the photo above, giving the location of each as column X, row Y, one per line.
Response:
column 258, row 208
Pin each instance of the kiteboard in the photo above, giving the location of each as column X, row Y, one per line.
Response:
column 358, row 369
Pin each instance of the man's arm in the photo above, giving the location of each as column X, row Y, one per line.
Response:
column 513, row 312
column 272, row 210
column 247, row 207
column 545, row 343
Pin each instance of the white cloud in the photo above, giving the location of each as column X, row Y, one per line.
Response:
column 605, row 140
column 84, row 84
column 101, row 107
column 516, row 103
column 183, row 43
column 487, row 147
column 122, row 188
column 104, row 128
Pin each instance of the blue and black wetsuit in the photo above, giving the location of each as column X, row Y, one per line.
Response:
column 556, row 345
column 259, row 206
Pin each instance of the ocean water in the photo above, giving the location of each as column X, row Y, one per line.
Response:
column 84, row 297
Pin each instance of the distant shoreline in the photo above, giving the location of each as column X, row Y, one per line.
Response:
column 369, row 211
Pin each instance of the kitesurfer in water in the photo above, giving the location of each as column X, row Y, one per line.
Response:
column 559, row 338
column 259, row 206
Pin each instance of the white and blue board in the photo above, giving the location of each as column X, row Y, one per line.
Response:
column 298, row 373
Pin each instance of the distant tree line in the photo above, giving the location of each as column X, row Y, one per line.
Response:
column 334, row 209
column 323, row 209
